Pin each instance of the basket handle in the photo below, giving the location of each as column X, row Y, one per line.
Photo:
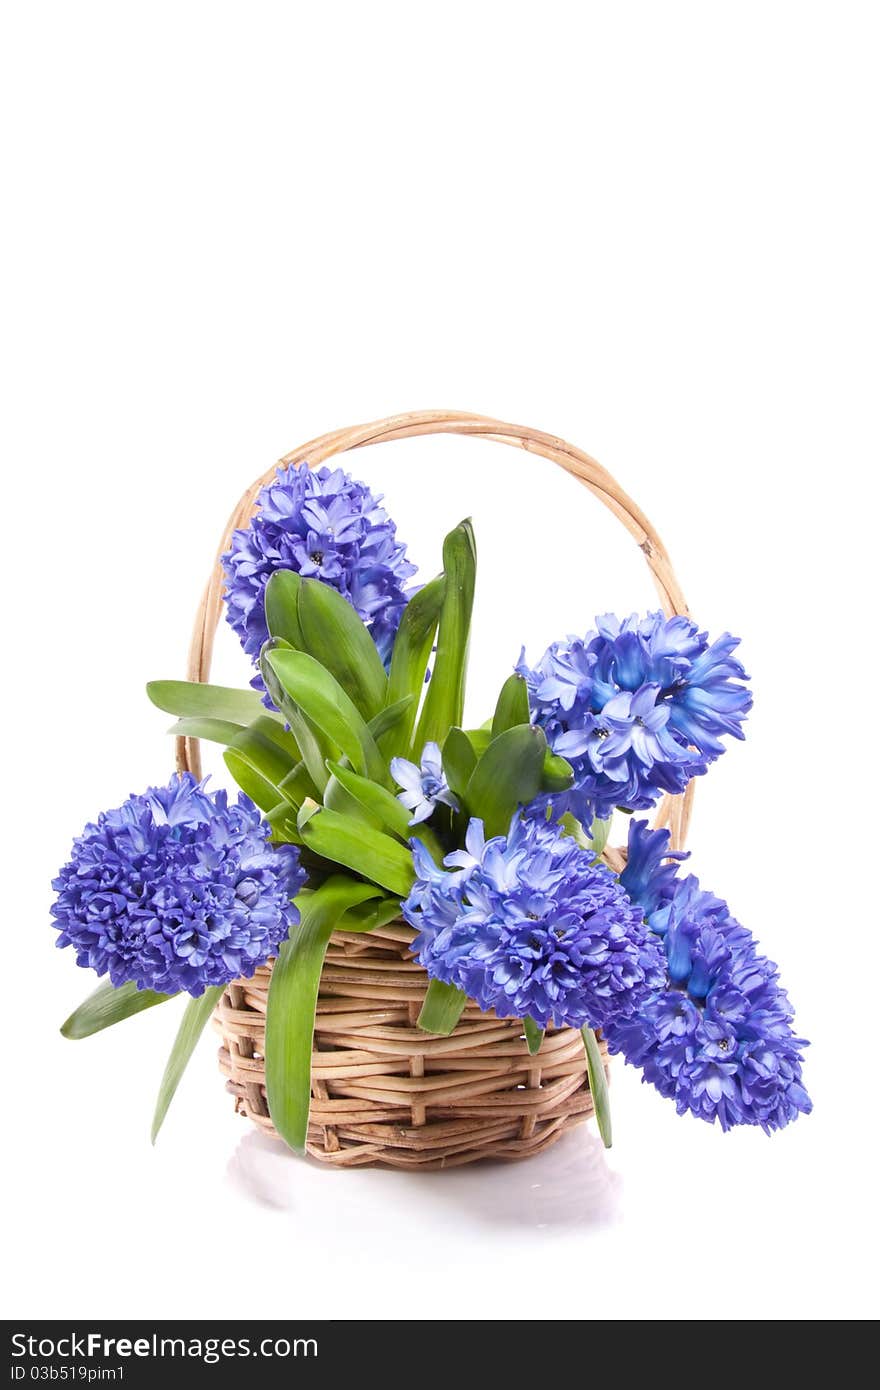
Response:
column 673, row 811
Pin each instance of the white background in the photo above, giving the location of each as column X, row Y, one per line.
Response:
column 649, row 228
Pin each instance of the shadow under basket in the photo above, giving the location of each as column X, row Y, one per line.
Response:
column 385, row 1092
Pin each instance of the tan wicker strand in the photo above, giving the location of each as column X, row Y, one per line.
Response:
column 383, row 1092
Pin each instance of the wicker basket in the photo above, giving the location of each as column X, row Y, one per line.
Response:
column 382, row 1090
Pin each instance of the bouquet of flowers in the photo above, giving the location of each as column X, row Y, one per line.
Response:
column 365, row 799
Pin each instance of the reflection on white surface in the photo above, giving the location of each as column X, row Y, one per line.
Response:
column 569, row 1185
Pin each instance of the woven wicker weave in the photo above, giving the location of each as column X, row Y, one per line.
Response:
column 382, row 1090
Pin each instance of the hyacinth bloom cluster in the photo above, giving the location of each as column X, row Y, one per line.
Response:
column 424, row 786
column 177, row 889
column 718, row 1038
column 324, row 525
column 528, row 924
column 638, row 707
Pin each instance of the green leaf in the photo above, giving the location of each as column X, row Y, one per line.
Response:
column 598, row 1085
column 261, row 768
column 385, row 807
column 261, row 792
column 325, row 704
column 595, row 842
column 572, row 826
column 459, row 761
column 272, row 727
column 282, row 819
column 599, row 833
column 264, row 756
column 370, row 915
column 316, row 748
column 281, row 600
column 409, row 660
column 187, row 698
column 385, row 726
column 337, row 798
column 534, row 1035
column 356, row 846
column 479, row 739
column 444, row 701
column 225, row 732
column 293, row 997
column 214, row 730
column 108, row 1005
column 512, row 707
column 195, row 1016
column 556, row 774
column 442, row 1008
column 380, row 802
column 508, row 775
column 335, row 636
column 297, row 785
